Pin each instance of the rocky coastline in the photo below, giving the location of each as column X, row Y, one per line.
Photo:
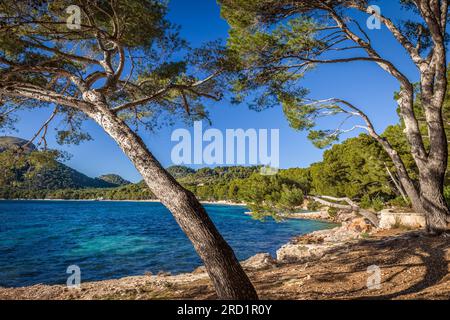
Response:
column 306, row 251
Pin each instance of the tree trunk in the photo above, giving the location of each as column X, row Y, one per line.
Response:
column 431, row 197
column 227, row 275
column 429, row 200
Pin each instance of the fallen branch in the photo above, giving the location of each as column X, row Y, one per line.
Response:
column 351, row 205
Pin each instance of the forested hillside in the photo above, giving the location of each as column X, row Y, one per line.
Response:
column 26, row 172
column 357, row 168
column 114, row 179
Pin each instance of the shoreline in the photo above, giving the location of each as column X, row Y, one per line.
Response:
column 199, row 270
column 220, row 202
column 309, row 247
column 312, row 277
column 308, row 266
column 194, row 271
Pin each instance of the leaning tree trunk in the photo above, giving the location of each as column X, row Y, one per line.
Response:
column 228, row 277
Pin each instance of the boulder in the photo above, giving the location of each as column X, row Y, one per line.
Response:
column 259, row 261
column 344, row 216
column 201, row 269
column 390, row 219
column 342, row 234
column 359, row 225
column 297, row 252
column 323, row 214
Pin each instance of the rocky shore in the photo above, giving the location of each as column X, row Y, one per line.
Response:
column 325, row 264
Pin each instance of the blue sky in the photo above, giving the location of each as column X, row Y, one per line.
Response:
column 362, row 83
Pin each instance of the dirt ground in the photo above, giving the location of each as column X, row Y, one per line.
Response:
column 413, row 266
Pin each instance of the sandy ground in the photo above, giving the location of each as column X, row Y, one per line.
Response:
column 413, row 266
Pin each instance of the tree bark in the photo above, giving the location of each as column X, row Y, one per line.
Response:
column 432, row 164
column 428, row 198
column 436, row 212
column 225, row 271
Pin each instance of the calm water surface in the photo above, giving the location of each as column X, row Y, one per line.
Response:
column 40, row 239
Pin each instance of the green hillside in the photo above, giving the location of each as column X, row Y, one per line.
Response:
column 26, row 171
column 14, row 143
column 180, row 171
column 114, row 179
column 205, row 176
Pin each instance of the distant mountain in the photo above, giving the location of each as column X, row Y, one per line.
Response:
column 189, row 176
column 114, row 179
column 60, row 176
column 34, row 172
column 14, row 143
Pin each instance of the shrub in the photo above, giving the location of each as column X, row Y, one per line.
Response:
column 365, row 235
column 333, row 211
column 447, row 195
column 365, row 202
column 290, row 197
column 399, row 202
column 313, row 206
column 377, row 204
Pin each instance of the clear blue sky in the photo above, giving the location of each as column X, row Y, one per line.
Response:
column 364, row 84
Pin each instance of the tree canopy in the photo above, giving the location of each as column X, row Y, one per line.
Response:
column 277, row 42
column 127, row 50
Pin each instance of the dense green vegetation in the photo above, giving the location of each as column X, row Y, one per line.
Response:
column 114, row 179
column 138, row 191
column 275, row 43
column 26, row 172
column 356, row 168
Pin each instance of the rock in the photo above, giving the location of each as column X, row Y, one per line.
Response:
column 259, row 262
column 390, row 220
column 200, row 269
column 308, row 238
column 314, row 215
column 342, row 234
column 345, row 216
column 297, row 252
column 323, row 214
column 316, row 244
column 359, row 225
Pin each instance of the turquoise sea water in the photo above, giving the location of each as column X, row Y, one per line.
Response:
column 40, row 239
